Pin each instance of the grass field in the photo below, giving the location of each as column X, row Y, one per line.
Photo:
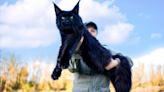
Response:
column 15, row 77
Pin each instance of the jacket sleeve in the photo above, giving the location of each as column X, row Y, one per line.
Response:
column 74, row 64
column 77, row 65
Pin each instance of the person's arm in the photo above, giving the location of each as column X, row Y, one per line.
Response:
column 115, row 62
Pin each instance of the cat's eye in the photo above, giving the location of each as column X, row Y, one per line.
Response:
column 71, row 17
column 63, row 18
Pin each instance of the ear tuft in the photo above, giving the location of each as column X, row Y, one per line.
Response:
column 76, row 8
column 57, row 9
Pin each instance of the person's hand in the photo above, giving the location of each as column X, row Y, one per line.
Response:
column 113, row 63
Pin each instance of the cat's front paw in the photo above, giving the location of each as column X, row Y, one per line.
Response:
column 56, row 73
column 54, row 77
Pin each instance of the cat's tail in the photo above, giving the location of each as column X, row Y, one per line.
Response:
column 121, row 75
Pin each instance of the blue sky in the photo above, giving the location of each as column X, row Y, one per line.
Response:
column 132, row 27
column 147, row 17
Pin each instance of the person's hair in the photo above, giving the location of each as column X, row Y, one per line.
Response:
column 91, row 24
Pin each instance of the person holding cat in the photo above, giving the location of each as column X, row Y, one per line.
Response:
column 79, row 40
column 86, row 79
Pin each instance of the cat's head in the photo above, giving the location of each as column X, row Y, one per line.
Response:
column 66, row 20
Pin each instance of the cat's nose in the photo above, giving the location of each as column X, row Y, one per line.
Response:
column 67, row 22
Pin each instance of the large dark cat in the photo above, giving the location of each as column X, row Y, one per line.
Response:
column 68, row 22
column 93, row 53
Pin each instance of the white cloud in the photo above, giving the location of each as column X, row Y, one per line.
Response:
column 115, row 34
column 29, row 37
column 27, row 24
column 155, row 57
column 93, row 10
column 31, row 23
column 113, row 24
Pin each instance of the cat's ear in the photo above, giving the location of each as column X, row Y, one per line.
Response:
column 76, row 8
column 57, row 9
